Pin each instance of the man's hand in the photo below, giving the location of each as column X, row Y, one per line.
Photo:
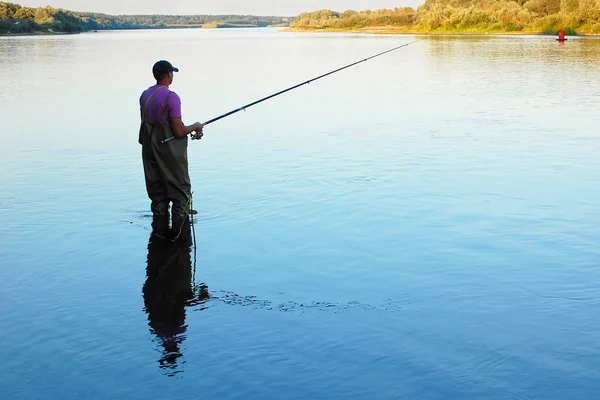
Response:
column 181, row 131
column 197, row 135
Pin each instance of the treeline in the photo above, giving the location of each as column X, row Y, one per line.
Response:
column 466, row 16
column 350, row 19
column 95, row 21
column 17, row 19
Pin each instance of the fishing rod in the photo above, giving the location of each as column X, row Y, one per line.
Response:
column 242, row 108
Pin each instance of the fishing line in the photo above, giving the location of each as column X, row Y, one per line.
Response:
column 194, row 239
column 242, row 108
column 199, row 136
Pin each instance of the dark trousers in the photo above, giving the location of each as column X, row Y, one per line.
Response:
column 166, row 173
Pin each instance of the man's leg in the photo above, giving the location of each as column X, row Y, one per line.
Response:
column 180, row 212
column 156, row 192
column 172, row 165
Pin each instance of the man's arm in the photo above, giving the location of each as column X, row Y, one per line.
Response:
column 180, row 130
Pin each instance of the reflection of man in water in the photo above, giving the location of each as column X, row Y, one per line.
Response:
column 167, row 291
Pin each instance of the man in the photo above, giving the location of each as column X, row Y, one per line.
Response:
column 166, row 164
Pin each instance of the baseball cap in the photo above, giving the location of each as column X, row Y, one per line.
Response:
column 164, row 66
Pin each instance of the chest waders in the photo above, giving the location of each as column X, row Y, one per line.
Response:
column 166, row 173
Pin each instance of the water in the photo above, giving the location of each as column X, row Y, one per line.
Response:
column 422, row 225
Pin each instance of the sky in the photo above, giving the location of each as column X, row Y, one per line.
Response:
column 285, row 8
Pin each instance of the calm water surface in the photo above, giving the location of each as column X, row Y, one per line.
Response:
column 423, row 225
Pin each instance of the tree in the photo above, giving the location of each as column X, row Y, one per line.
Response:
column 25, row 13
column 569, row 5
column 7, row 10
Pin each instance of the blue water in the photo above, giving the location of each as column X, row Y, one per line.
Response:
column 422, row 225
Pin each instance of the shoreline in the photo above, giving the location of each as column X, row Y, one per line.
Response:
column 38, row 34
column 374, row 30
column 389, row 30
column 133, row 29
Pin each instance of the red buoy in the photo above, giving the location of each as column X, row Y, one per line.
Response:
column 561, row 36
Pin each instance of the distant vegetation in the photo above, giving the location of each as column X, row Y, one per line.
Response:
column 434, row 16
column 465, row 16
column 17, row 19
column 94, row 21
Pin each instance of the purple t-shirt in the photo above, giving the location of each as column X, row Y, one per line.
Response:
column 156, row 105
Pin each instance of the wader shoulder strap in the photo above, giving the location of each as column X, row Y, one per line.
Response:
column 143, row 123
column 147, row 101
column 166, row 110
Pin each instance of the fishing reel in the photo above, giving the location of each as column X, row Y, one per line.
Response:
column 196, row 135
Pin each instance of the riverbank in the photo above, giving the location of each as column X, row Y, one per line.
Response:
column 407, row 31
column 394, row 30
column 37, row 34
column 377, row 30
column 199, row 26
